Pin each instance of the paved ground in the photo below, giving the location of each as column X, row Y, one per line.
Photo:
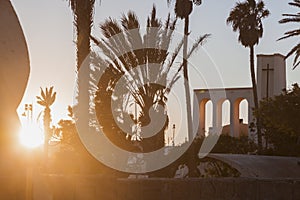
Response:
column 254, row 166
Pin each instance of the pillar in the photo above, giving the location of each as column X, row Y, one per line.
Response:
column 217, row 117
column 234, row 118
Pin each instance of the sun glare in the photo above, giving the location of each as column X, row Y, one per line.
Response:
column 31, row 136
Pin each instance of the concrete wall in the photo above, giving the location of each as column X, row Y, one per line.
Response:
column 98, row 187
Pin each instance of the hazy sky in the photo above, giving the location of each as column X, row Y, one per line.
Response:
column 49, row 31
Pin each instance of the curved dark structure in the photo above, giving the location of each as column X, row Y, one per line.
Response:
column 14, row 73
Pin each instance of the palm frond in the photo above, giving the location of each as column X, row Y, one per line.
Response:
column 199, row 42
column 47, row 97
column 290, row 34
column 287, row 20
column 292, row 18
column 52, row 99
column 43, row 95
column 295, row 50
column 296, row 3
column 42, row 103
column 296, row 62
column 50, row 91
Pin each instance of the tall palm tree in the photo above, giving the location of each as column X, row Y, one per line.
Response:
column 290, row 18
column 146, row 86
column 83, row 20
column 46, row 99
column 183, row 9
column 246, row 17
column 83, row 11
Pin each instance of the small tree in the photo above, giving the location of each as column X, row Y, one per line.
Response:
column 46, row 99
column 280, row 122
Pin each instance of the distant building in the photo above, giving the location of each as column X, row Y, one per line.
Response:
column 271, row 80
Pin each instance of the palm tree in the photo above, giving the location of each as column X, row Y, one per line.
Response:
column 46, row 99
column 292, row 18
column 147, row 86
column 246, row 17
column 83, row 21
column 183, row 9
column 83, row 11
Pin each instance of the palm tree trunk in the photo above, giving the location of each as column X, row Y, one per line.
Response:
column 190, row 153
column 256, row 104
column 83, row 22
column 47, row 121
column 83, row 26
column 186, row 78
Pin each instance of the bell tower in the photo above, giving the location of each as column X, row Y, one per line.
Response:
column 271, row 75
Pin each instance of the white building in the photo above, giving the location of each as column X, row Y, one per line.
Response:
column 271, row 80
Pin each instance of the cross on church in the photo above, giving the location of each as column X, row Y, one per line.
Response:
column 268, row 71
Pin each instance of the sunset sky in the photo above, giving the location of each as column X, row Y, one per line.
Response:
column 48, row 28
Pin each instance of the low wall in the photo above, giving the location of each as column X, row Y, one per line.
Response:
column 97, row 187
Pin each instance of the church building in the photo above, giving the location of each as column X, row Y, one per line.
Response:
column 271, row 80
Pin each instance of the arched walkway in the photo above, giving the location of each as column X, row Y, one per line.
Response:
column 229, row 100
column 204, row 106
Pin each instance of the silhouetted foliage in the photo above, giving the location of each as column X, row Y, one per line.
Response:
column 83, row 11
column 280, row 122
column 246, row 17
column 183, row 160
column 210, row 168
column 46, row 99
column 72, row 156
column 83, row 20
column 207, row 167
column 291, row 18
column 146, row 66
column 233, row 145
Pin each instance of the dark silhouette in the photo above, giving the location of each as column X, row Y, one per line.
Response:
column 14, row 73
column 72, row 156
column 280, row 121
column 290, row 18
column 46, row 99
column 246, row 17
column 147, row 87
column 83, row 11
column 83, row 20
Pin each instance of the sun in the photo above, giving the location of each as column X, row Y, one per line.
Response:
column 31, row 136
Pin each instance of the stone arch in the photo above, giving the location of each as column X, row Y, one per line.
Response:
column 235, row 123
column 226, row 112
column 203, row 116
column 235, row 97
column 226, row 117
column 244, row 111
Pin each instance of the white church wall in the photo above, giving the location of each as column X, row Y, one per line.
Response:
column 271, row 80
column 271, row 75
